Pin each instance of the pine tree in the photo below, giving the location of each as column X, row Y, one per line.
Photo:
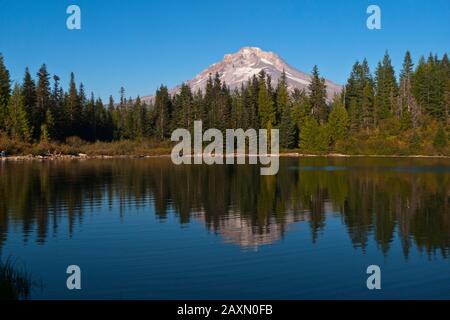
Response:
column 43, row 98
column 323, row 139
column 367, row 107
column 366, row 97
column 198, row 105
column 251, row 111
column 442, row 86
column 44, row 133
column 72, row 107
column 29, row 100
column 119, row 116
column 355, row 113
column 49, row 126
column 309, row 133
column 267, row 112
column 130, row 125
column 446, row 70
column 209, row 107
column 184, row 113
column 5, row 90
column 224, row 108
column 237, row 109
column 386, row 89
column 429, row 86
column 288, row 130
column 408, row 107
column 80, row 121
column 318, row 96
column 301, row 108
column 338, row 120
column 17, row 122
column 101, row 126
column 138, row 116
column 355, row 98
column 111, row 104
column 351, row 87
column 163, row 108
column 217, row 103
column 111, row 120
column 213, row 102
column 57, row 110
column 282, row 96
column 89, row 116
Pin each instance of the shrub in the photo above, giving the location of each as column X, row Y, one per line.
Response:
column 75, row 141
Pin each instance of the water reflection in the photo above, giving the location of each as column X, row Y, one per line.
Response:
column 379, row 198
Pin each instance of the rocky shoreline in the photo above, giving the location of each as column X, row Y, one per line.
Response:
column 83, row 156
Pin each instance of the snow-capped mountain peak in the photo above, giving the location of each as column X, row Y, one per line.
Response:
column 237, row 68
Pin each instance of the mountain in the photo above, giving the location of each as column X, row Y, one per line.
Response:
column 236, row 69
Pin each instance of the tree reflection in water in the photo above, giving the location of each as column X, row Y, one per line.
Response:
column 375, row 197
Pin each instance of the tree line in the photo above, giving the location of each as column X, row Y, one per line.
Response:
column 412, row 108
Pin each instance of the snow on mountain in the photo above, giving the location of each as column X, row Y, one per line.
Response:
column 238, row 67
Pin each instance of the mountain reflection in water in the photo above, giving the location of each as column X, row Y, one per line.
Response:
column 375, row 198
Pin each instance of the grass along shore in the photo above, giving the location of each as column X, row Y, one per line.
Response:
column 75, row 148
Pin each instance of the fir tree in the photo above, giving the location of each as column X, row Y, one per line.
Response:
column 301, row 108
column 367, row 107
column 43, row 98
column 17, row 122
column 309, row 133
column 237, row 109
column 101, row 126
column 359, row 97
column 386, row 89
column 49, row 126
column 44, row 134
column 183, row 108
column 29, row 100
column 139, row 119
column 338, row 120
column 267, row 112
column 79, row 118
column 112, row 122
column 317, row 96
column 282, row 95
column 408, row 107
column 429, row 85
column 224, row 108
column 288, row 131
column 89, row 117
column 73, row 108
column 5, row 90
column 250, row 100
column 57, row 110
column 446, row 70
column 163, row 108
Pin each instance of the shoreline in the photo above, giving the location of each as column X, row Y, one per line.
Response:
column 82, row 156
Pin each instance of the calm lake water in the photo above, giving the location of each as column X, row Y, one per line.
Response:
column 146, row 229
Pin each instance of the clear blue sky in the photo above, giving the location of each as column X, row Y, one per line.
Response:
column 141, row 44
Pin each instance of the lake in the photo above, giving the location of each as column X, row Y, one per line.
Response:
column 147, row 229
